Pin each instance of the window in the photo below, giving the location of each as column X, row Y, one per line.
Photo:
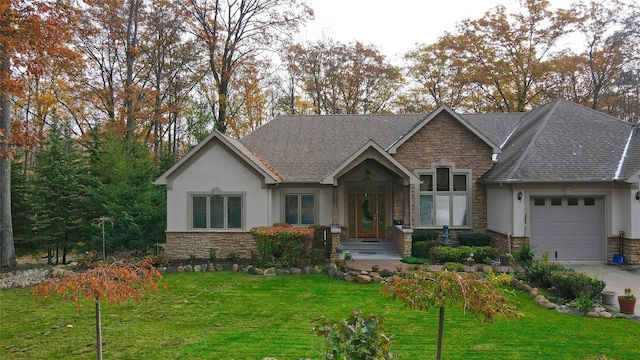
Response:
column 556, row 201
column 447, row 201
column 216, row 211
column 300, row 209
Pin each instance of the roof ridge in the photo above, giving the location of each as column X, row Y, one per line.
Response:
column 530, row 146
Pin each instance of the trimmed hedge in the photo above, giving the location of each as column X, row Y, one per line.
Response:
column 424, row 235
column 283, row 245
column 474, row 239
column 420, row 249
column 444, row 254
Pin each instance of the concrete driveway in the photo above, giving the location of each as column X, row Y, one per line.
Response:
column 617, row 277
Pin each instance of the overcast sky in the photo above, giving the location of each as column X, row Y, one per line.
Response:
column 395, row 26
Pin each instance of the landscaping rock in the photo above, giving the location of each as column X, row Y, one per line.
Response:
column 282, row 272
column 340, row 275
column 552, row 306
column 543, row 302
column 234, row 267
column 605, row 314
column 538, row 298
column 270, row 272
column 307, row 270
column 219, row 267
column 364, row 279
column 592, row 314
column 295, row 271
column 331, row 270
column 259, row 271
column 350, row 278
column 211, row 267
column 197, row 268
column 188, row 268
column 563, row 309
column 378, row 279
column 386, row 273
column 180, row 269
column 533, row 293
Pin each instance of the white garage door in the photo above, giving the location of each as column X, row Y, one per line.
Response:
column 571, row 228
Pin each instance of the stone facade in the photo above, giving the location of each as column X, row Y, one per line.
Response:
column 501, row 241
column 200, row 245
column 402, row 238
column 444, row 139
column 630, row 249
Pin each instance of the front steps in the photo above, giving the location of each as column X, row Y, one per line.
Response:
column 372, row 249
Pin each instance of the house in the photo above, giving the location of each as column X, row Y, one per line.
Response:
column 562, row 178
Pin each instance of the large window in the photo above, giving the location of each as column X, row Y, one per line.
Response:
column 300, row 209
column 444, row 198
column 216, row 211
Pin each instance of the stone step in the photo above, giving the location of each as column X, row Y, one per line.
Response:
column 371, row 249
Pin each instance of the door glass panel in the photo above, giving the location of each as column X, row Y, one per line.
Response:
column 366, row 215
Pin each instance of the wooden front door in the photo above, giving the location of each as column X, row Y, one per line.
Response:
column 368, row 211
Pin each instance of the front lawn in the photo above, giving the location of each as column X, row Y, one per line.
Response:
column 227, row 315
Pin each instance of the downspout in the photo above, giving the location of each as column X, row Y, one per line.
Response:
column 509, row 242
column 269, row 196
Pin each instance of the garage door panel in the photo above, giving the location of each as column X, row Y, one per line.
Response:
column 575, row 232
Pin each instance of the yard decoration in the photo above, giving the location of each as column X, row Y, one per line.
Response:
column 422, row 290
column 627, row 302
column 114, row 283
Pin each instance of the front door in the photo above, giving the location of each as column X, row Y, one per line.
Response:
column 368, row 212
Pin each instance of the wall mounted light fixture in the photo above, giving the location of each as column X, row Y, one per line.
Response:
column 637, row 195
column 520, row 195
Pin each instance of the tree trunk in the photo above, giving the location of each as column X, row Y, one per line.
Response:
column 440, row 333
column 98, row 331
column 7, row 246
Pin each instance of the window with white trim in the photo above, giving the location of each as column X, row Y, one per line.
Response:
column 300, row 209
column 216, row 211
column 444, row 197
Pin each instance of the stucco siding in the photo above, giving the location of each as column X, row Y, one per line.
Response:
column 499, row 209
column 217, row 168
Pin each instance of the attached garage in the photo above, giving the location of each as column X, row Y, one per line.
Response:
column 571, row 228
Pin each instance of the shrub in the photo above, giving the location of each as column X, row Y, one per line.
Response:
column 444, row 254
column 572, row 285
column 453, row 266
column 421, row 248
column 474, row 239
column 358, row 337
column 283, row 245
column 524, row 256
column 414, row 260
column 540, row 272
column 424, row 235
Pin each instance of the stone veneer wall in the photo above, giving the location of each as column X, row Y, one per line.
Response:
column 444, row 138
column 184, row 245
column 501, row 241
column 631, row 249
column 402, row 240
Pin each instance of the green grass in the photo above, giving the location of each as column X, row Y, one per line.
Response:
column 237, row 316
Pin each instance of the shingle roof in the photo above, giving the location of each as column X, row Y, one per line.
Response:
column 563, row 141
column 559, row 141
column 306, row 148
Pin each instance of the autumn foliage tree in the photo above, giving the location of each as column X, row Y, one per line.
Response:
column 112, row 283
column 423, row 290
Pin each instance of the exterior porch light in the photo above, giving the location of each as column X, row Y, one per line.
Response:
column 520, row 195
column 637, row 195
